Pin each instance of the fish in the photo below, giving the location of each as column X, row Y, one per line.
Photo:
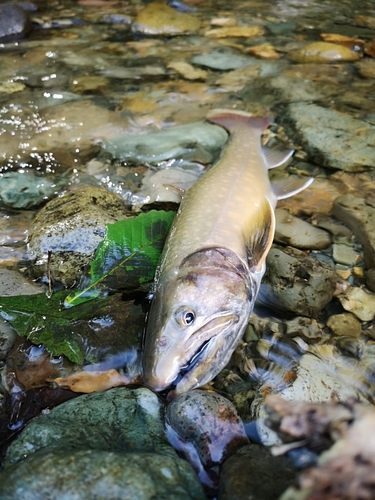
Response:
column 213, row 260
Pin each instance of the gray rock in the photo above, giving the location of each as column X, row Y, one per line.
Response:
column 297, row 90
column 360, row 218
column 104, row 475
column 195, row 142
column 107, row 445
column 336, row 142
column 26, row 190
column 206, row 428
column 299, row 284
column 293, row 231
column 13, row 20
column 344, row 254
column 253, row 473
column 370, row 279
column 223, row 60
column 71, row 227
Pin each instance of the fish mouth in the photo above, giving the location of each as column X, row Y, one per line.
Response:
column 189, row 374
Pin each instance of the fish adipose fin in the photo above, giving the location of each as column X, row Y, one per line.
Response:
column 289, row 186
column 275, row 157
column 232, row 120
column 259, row 235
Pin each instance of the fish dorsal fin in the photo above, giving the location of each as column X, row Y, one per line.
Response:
column 258, row 235
column 275, row 157
column 284, row 187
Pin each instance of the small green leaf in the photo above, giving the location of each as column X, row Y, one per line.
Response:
column 84, row 333
column 127, row 256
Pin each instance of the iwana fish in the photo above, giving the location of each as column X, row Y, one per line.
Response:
column 214, row 259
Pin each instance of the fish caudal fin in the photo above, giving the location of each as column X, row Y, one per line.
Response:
column 232, row 120
column 289, row 186
column 258, row 236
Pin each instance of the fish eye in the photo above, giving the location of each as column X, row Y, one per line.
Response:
column 185, row 316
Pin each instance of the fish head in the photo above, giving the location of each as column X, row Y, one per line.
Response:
column 197, row 317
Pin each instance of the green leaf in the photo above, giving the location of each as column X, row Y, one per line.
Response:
column 127, row 256
column 85, row 333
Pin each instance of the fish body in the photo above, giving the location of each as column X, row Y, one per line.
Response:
column 213, row 262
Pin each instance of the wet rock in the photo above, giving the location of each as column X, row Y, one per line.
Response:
column 344, row 254
column 13, row 20
column 360, row 218
column 11, row 87
column 323, row 52
column 207, row 429
column 114, row 440
column 298, row 233
column 223, row 59
column 160, row 19
column 304, row 328
column 235, row 31
column 195, row 142
column 359, row 302
column 344, row 324
column 71, row 227
column 188, row 71
column 297, row 283
column 370, row 279
column 23, row 189
column 254, row 473
column 12, row 282
column 339, row 142
column 366, row 68
column 299, row 89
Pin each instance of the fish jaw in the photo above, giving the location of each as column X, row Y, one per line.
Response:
column 221, row 298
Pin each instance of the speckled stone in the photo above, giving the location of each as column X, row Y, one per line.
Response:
column 336, row 143
column 71, row 227
column 345, row 324
column 158, row 18
column 108, row 446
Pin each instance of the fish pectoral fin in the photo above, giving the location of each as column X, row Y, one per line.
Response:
column 284, row 187
column 258, row 235
column 275, row 157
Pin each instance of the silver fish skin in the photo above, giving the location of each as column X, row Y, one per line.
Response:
column 213, row 262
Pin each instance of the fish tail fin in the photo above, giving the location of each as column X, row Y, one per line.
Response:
column 232, row 120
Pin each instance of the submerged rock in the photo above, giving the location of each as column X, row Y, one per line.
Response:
column 195, row 142
column 299, row 284
column 298, row 233
column 356, row 214
column 323, row 52
column 359, row 302
column 223, row 59
column 13, row 20
column 336, row 143
column 106, row 445
column 253, row 473
column 160, row 19
column 70, row 228
column 27, row 190
column 344, row 324
column 206, row 428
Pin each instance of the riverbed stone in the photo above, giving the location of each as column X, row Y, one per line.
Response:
column 297, row 283
column 198, row 142
column 344, row 254
column 340, row 141
column 261, row 477
column 298, row 233
column 108, row 445
column 345, row 324
column 356, row 214
column 370, row 279
column 70, row 227
column 323, row 52
column 359, row 302
column 13, row 20
column 159, row 19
